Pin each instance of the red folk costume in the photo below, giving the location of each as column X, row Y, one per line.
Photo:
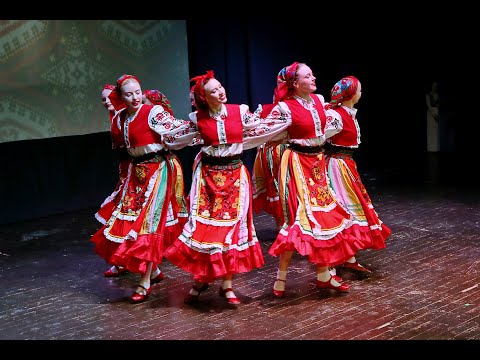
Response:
column 143, row 222
column 179, row 204
column 118, row 145
column 342, row 169
column 315, row 225
column 219, row 237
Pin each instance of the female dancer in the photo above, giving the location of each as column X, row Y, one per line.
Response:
column 179, row 204
column 315, row 225
column 219, row 238
column 112, row 102
column 342, row 169
column 135, row 235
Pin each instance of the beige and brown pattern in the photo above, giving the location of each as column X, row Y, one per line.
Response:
column 56, row 69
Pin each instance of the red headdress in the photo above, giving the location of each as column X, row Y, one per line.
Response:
column 285, row 79
column 343, row 90
column 109, row 87
column 116, row 100
column 197, row 91
column 115, row 96
column 124, row 78
column 158, row 98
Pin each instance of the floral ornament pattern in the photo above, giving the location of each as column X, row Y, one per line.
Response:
column 219, row 193
column 136, row 191
column 317, row 185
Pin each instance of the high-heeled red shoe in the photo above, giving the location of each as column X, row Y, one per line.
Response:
column 138, row 298
column 278, row 293
column 110, row 273
column 356, row 266
column 157, row 279
column 328, row 285
column 231, row 301
column 191, row 299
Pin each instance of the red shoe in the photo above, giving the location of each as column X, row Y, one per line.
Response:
column 231, row 301
column 328, row 285
column 337, row 278
column 138, row 298
column 278, row 293
column 191, row 299
column 356, row 266
column 110, row 273
column 157, row 278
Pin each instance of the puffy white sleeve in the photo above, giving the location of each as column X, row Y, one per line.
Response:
column 258, row 130
column 176, row 133
column 334, row 122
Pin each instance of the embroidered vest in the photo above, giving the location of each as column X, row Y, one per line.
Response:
column 303, row 124
column 349, row 135
column 228, row 131
column 139, row 132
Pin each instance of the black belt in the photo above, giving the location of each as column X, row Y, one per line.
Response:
column 150, row 156
column 305, row 149
column 221, row 160
column 332, row 150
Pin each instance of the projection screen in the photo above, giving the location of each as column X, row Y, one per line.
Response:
column 53, row 71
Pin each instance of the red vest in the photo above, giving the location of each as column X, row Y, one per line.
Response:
column 139, row 132
column 212, row 132
column 116, row 133
column 348, row 135
column 303, row 126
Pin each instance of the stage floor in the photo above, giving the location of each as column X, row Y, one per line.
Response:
column 425, row 284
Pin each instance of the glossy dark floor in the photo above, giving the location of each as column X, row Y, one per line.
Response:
column 425, row 284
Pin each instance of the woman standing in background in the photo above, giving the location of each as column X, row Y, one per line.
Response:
column 432, row 99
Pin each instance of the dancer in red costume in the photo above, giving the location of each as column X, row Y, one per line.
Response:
column 342, row 169
column 315, row 226
column 112, row 102
column 135, row 236
column 219, row 239
column 179, row 204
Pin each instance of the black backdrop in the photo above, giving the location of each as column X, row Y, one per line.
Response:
column 394, row 64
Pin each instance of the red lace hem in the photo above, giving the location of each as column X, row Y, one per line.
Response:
column 330, row 252
column 208, row 267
